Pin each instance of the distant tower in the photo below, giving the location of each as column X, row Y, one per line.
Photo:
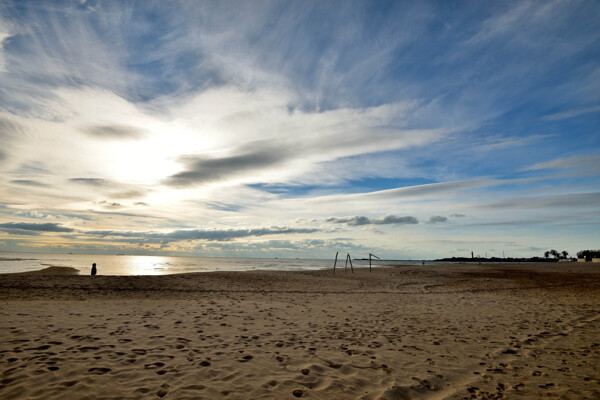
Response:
column 472, row 256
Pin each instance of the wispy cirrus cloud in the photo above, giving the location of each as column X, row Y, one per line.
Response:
column 584, row 163
column 578, row 201
column 111, row 188
column 5, row 34
column 430, row 191
column 571, row 113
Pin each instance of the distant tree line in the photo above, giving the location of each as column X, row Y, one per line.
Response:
column 555, row 254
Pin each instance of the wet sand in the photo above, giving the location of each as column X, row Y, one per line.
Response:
column 404, row 332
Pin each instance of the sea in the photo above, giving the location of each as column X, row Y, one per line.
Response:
column 162, row 265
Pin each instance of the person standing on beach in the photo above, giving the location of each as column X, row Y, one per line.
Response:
column 93, row 269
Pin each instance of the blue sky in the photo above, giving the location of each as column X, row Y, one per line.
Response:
column 266, row 128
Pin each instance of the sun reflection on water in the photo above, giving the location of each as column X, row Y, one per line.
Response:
column 147, row 265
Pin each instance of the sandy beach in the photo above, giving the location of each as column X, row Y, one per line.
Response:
column 404, row 332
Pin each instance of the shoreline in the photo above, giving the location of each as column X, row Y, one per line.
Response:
column 152, row 265
column 407, row 332
column 569, row 266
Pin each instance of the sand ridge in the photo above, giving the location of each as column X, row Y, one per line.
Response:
column 456, row 331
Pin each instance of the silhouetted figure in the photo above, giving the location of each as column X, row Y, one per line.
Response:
column 93, row 269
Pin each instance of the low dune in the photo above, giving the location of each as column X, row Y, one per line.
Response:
column 403, row 332
column 51, row 270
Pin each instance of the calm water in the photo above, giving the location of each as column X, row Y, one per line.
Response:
column 156, row 265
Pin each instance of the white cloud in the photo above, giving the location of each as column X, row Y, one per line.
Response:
column 495, row 143
column 520, row 21
column 144, row 148
column 570, row 113
column 4, row 35
column 586, row 163
column 502, row 23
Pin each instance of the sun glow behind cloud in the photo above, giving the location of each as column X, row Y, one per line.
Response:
column 153, row 118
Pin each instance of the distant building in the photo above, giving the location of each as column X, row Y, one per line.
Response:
column 589, row 256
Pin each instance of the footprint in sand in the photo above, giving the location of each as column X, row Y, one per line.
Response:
column 98, row 370
column 44, row 347
column 193, row 387
column 270, row 384
column 163, row 390
column 397, row 393
column 85, row 349
column 282, row 358
column 426, row 384
column 154, row 365
column 547, row 385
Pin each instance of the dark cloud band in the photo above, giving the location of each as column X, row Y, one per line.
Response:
column 115, row 132
column 201, row 169
column 361, row 220
column 200, row 234
column 437, row 219
column 44, row 227
column 28, row 182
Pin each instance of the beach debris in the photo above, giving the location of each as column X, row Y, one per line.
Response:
column 335, row 262
column 346, row 266
column 370, row 256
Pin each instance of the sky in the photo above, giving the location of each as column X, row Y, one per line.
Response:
column 410, row 130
